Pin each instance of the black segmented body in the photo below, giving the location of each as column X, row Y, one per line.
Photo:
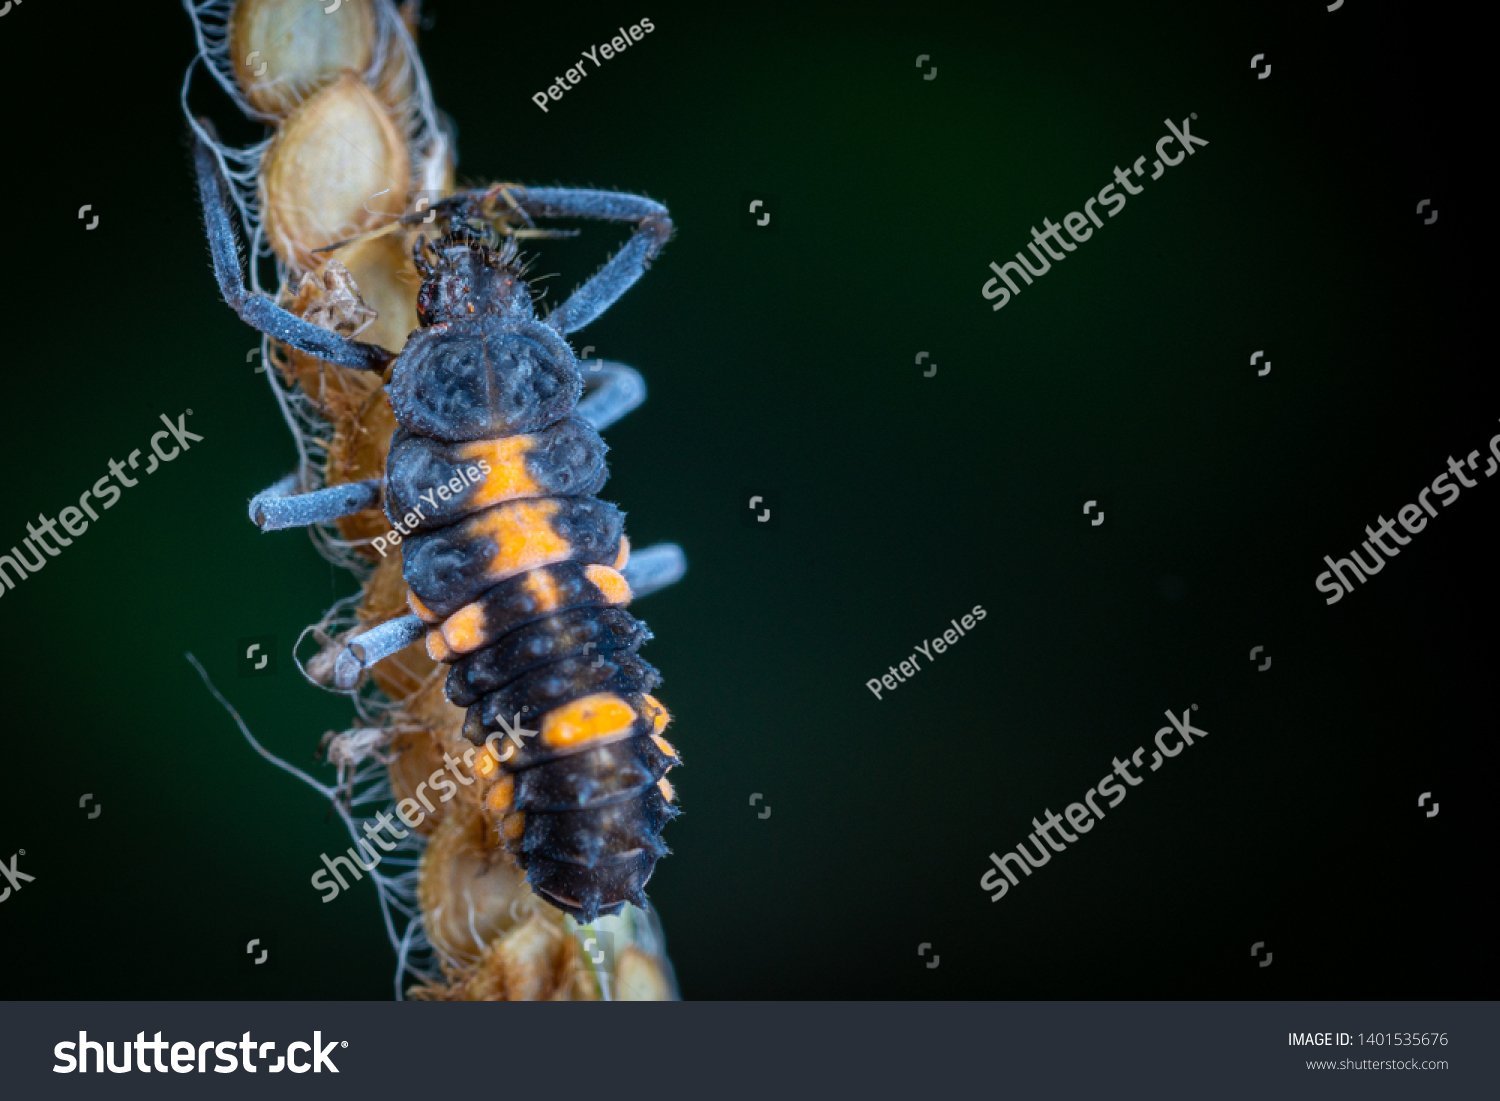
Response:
column 508, row 576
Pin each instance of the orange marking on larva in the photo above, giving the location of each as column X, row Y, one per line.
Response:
column 610, row 582
column 664, row 745
column 502, row 795
column 543, row 590
column 513, row 826
column 659, row 716
column 508, row 477
column 601, row 715
column 437, row 648
column 463, row 631
column 486, row 761
column 665, row 787
column 420, row 610
column 624, row 555
column 523, row 537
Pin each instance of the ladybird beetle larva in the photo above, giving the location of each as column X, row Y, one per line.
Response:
column 450, row 455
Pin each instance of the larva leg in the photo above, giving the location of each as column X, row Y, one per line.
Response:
column 276, row 507
column 654, row 568
column 603, row 289
column 376, row 644
column 256, row 310
column 615, row 390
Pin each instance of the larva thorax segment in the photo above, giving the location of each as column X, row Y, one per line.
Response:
column 481, row 366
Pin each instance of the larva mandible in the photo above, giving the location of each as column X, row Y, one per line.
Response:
column 486, row 462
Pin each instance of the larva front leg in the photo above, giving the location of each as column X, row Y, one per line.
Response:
column 618, row 275
column 276, row 507
column 256, row 310
column 611, row 390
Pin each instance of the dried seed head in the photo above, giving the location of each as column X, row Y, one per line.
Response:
column 640, row 978
column 337, row 168
column 382, row 269
column 466, row 892
column 417, row 754
column 533, row 962
column 283, row 50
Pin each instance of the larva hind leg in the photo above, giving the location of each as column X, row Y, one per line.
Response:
column 256, row 310
column 276, row 507
column 612, row 390
column 375, row 645
column 654, row 568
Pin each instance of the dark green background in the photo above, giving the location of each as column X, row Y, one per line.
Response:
column 782, row 364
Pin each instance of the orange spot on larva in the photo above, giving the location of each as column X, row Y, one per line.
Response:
column 502, row 795
column 508, row 477
column 610, row 582
column 437, row 648
column 543, row 590
column 522, row 535
column 657, row 713
column 486, row 762
column 601, row 715
column 463, row 631
column 665, row 787
column 420, row 610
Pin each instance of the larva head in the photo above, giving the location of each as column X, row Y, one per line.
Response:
column 462, row 276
